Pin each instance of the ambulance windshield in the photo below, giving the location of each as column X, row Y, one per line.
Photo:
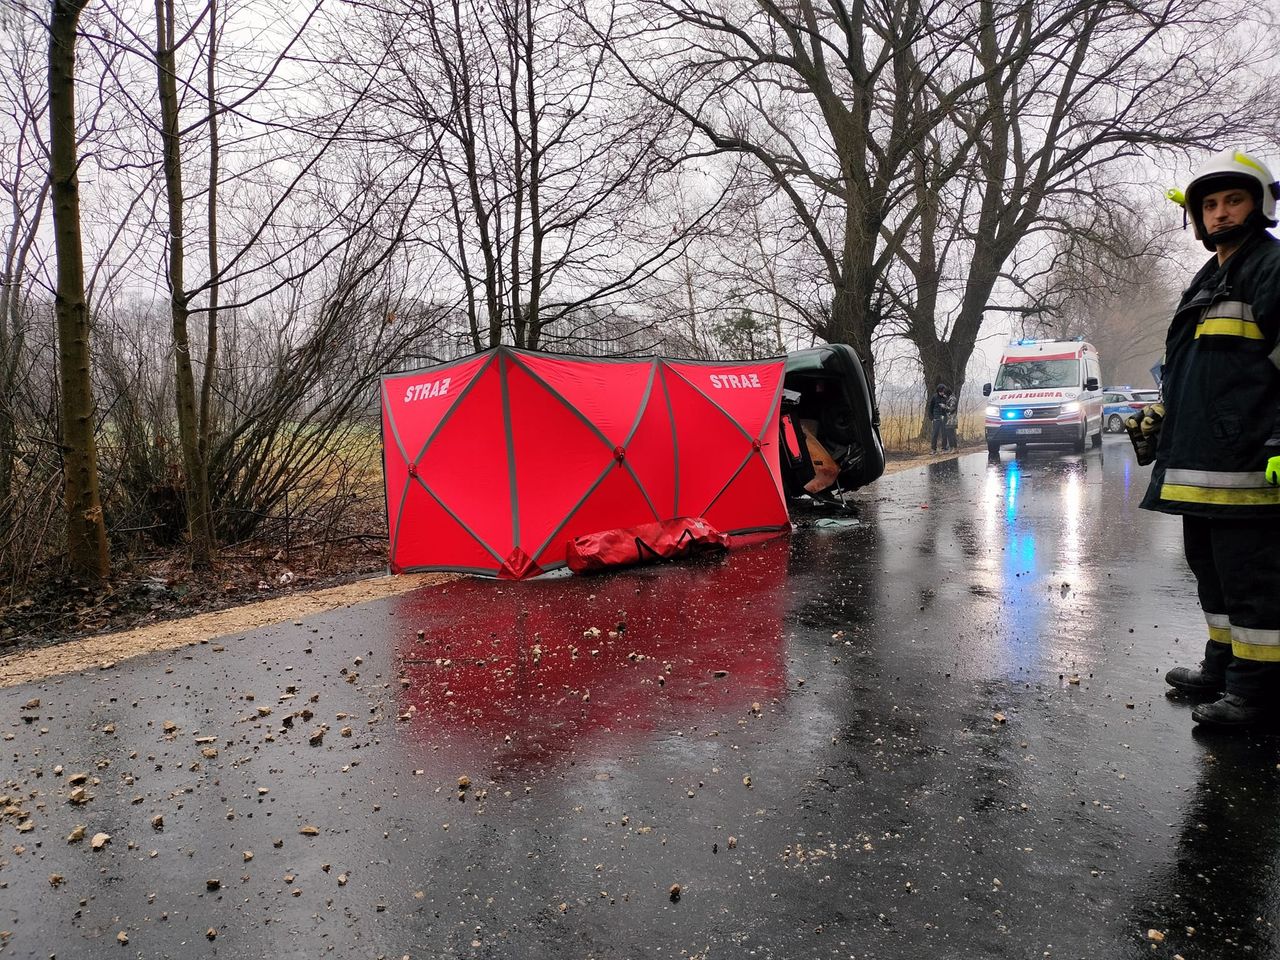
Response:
column 1037, row 374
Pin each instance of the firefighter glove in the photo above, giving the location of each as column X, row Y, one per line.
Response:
column 1146, row 422
column 1273, row 471
column 1143, row 428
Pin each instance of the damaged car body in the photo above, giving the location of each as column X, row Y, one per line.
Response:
column 830, row 426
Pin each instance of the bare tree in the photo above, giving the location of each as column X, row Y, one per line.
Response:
column 25, row 179
column 825, row 100
column 545, row 173
column 189, row 432
column 86, row 529
column 273, row 249
column 1117, row 295
column 1051, row 145
column 959, row 127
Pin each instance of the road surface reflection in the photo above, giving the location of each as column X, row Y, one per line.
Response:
column 541, row 672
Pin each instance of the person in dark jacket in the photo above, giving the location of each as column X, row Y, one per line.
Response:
column 936, row 413
column 1217, row 449
column 951, row 425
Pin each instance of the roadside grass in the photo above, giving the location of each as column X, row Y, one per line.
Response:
column 905, row 434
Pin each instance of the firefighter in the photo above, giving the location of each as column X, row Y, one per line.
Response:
column 1217, row 440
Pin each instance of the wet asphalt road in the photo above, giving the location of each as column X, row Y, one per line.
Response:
column 860, row 742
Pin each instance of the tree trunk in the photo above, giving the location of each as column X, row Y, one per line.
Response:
column 206, row 422
column 86, row 529
column 197, row 481
column 849, row 325
column 13, row 334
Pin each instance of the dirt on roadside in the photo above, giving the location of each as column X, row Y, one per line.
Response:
column 105, row 650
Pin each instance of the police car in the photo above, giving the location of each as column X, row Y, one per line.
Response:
column 1120, row 402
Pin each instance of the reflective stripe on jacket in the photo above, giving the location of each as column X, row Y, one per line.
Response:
column 1221, row 389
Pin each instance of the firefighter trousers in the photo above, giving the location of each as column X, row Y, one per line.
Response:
column 1237, row 569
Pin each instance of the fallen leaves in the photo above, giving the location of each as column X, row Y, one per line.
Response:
column 100, row 840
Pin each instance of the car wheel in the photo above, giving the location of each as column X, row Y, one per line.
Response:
column 1114, row 423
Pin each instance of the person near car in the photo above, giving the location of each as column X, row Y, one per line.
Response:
column 1217, row 440
column 936, row 413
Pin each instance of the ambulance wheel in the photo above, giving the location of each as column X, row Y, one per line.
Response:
column 1114, row 423
column 993, row 449
column 1077, row 446
column 1096, row 439
column 1021, row 450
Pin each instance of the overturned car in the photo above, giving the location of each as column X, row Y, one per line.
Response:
column 830, row 425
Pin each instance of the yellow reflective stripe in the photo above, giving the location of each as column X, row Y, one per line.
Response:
column 1220, row 635
column 1227, row 496
column 1256, row 651
column 1248, row 161
column 1228, row 327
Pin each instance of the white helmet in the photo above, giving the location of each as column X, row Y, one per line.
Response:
column 1233, row 168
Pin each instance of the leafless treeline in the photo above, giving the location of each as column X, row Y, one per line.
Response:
column 277, row 202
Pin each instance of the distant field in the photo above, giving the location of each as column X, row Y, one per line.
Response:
column 904, row 433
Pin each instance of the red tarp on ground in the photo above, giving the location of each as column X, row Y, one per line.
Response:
column 629, row 546
column 495, row 462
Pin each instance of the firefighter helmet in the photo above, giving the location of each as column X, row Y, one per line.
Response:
column 1224, row 170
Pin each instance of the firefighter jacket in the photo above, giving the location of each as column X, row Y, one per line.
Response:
column 1221, row 387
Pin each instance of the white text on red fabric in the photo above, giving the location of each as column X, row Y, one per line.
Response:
column 425, row 391
column 731, row 381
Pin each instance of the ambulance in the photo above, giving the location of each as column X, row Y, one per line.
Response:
column 1045, row 392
